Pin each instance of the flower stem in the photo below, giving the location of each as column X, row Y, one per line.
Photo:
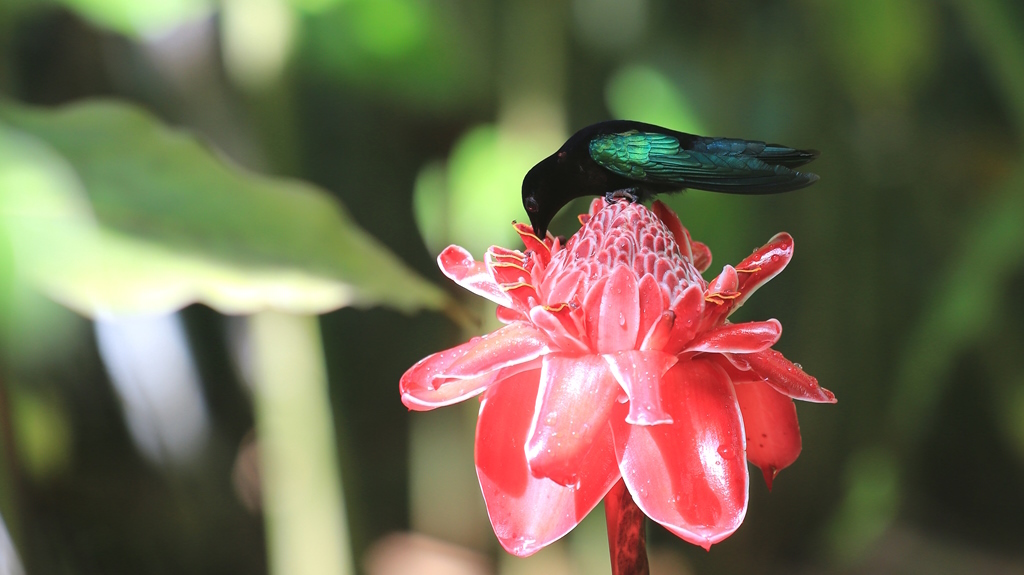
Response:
column 627, row 537
column 307, row 531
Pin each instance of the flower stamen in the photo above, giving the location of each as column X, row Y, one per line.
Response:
column 517, row 285
column 510, row 265
column 720, row 298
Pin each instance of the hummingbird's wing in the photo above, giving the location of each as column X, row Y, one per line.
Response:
column 715, row 164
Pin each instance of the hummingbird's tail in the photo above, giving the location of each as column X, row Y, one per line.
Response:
column 777, row 155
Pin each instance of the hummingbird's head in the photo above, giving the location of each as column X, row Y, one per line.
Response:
column 541, row 193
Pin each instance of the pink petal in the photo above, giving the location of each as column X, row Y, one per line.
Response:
column 576, row 396
column 527, row 512
column 772, row 431
column 456, row 263
column 640, row 375
column 785, row 376
column 419, row 385
column 738, row 338
column 515, row 343
column 690, row 475
column 456, row 390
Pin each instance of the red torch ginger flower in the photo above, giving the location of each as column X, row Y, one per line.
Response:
column 616, row 361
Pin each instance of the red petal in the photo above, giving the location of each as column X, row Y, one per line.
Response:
column 690, row 475
column 738, row 338
column 561, row 288
column 724, row 283
column 515, row 280
column 701, row 255
column 619, row 314
column 763, row 265
column 460, row 267
column 772, row 431
column 652, row 305
column 577, row 395
column 720, row 295
column 558, row 324
column 612, row 311
column 671, row 220
column 515, row 343
column 688, row 309
column 592, row 309
column 540, row 247
column 657, row 337
column 640, row 373
column 419, row 387
column 508, row 315
column 697, row 252
column 596, row 205
column 526, row 512
column 785, row 376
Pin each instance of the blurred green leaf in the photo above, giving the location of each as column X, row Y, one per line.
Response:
column 1010, row 407
column 872, row 499
column 138, row 18
column 42, row 432
column 643, row 93
column 109, row 211
column 882, row 48
column 425, row 55
column 480, row 194
column 961, row 310
column 430, row 206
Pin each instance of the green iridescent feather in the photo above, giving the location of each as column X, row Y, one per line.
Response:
column 720, row 163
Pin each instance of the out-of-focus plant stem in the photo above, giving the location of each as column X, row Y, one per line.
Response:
column 307, row 531
column 8, row 458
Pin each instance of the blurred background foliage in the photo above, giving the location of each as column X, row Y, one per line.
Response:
column 164, row 254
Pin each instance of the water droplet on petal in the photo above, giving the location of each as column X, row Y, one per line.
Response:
column 798, row 365
column 726, row 452
column 622, row 320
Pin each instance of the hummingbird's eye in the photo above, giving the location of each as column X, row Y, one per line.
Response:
column 531, row 205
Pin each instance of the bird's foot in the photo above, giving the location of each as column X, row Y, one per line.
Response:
column 631, row 194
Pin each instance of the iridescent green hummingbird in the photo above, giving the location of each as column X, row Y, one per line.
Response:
column 626, row 159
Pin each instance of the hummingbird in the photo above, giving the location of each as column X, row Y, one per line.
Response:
column 623, row 159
